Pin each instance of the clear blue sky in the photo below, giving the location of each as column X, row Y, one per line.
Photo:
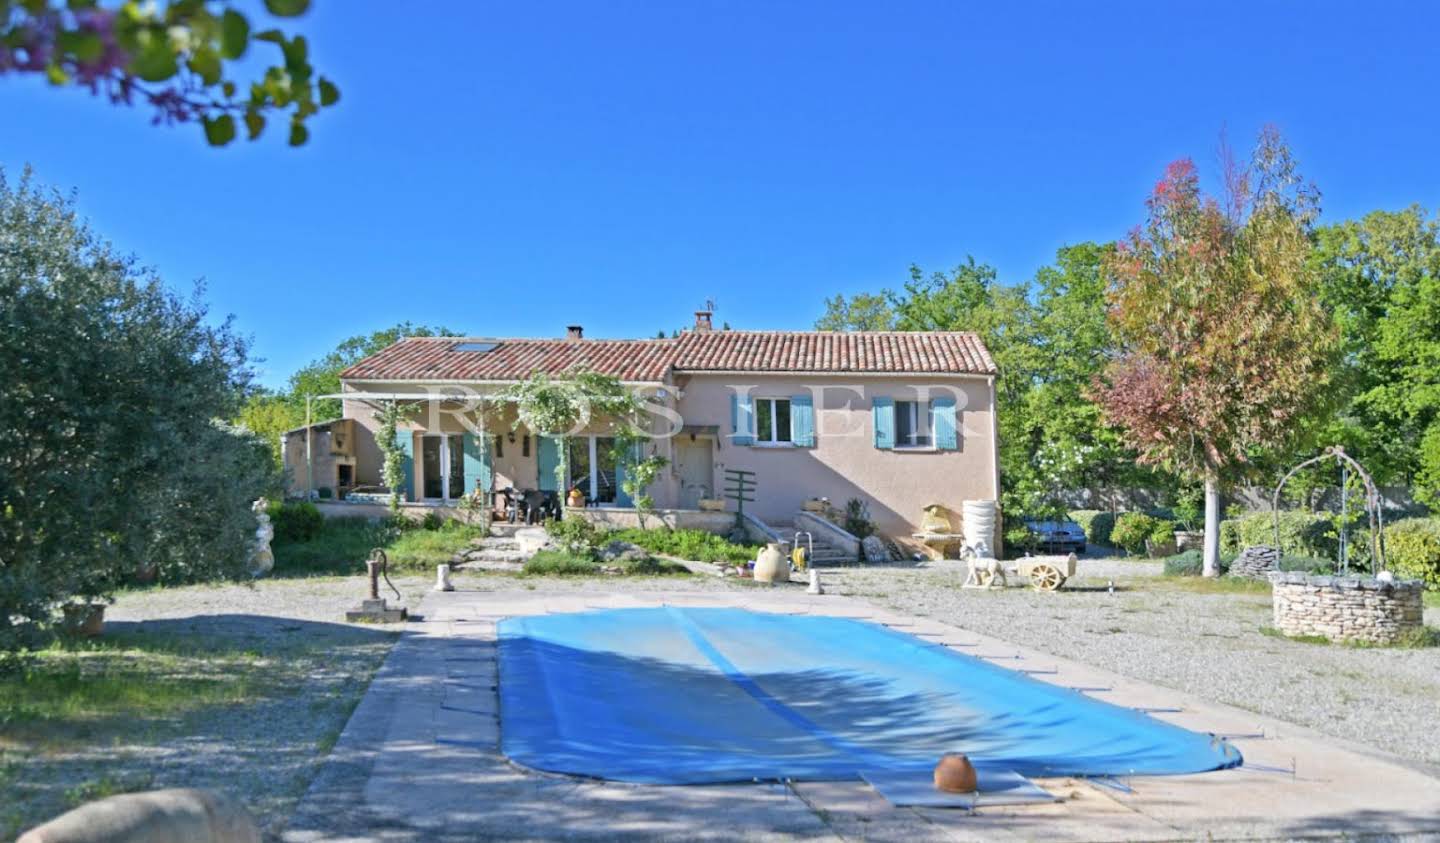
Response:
column 507, row 169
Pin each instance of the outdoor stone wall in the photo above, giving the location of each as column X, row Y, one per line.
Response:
column 1346, row 608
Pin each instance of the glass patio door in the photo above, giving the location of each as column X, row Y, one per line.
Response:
column 443, row 464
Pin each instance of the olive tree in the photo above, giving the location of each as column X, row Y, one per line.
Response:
column 111, row 456
column 1224, row 348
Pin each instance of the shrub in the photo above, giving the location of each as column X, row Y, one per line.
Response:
column 1301, row 533
column 1191, row 563
column 1307, row 564
column 1097, row 524
column 652, row 567
column 857, row 519
column 432, row 521
column 1163, row 532
column 558, row 563
column 339, row 546
column 1132, row 529
column 576, row 535
column 295, row 521
column 695, row 545
column 1412, row 550
column 1019, row 540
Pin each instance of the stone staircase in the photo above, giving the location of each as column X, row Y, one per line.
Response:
column 825, row 553
column 498, row 551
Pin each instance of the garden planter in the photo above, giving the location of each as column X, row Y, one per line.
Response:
column 771, row 565
column 576, row 499
column 712, row 504
column 1159, row 550
column 85, row 619
column 1189, row 540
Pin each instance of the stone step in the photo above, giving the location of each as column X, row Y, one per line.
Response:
column 486, row 555
column 495, row 543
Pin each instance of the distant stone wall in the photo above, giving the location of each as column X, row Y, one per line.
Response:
column 1346, row 608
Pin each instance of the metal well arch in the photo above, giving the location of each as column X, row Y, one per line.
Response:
column 1372, row 500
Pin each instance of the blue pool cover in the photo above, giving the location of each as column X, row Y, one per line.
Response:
column 693, row 695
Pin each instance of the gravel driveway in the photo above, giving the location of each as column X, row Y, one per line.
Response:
column 1209, row 645
column 314, row 667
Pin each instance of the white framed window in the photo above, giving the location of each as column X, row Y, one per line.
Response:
column 912, row 425
column 772, row 421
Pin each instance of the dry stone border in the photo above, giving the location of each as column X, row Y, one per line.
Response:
column 1358, row 609
column 1256, row 562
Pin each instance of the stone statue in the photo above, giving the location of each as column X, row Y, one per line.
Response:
column 261, row 559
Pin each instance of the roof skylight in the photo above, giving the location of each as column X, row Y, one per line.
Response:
column 473, row 346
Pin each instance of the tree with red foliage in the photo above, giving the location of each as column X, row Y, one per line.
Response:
column 1223, row 346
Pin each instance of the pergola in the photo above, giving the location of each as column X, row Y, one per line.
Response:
column 373, row 399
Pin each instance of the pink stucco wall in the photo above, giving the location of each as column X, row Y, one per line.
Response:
column 844, row 462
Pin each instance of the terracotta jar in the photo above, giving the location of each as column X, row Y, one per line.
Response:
column 577, row 499
column 771, row 565
column 955, row 774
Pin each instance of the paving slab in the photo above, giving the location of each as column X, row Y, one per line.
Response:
column 419, row 759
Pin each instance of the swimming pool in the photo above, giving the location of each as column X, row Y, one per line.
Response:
column 695, row 695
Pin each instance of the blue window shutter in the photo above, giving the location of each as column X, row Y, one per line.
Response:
column 547, row 459
column 942, row 421
column 884, row 409
column 802, row 421
column 742, row 415
column 477, row 463
column 405, row 441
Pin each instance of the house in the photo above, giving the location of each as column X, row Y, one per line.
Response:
column 899, row 420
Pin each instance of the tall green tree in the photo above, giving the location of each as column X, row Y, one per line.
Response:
column 860, row 312
column 1224, row 346
column 322, row 377
column 183, row 58
column 1380, row 276
column 111, row 455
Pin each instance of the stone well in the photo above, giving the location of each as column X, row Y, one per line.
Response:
column 1346, row 608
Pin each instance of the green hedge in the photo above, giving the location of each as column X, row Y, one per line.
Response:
column 295, row 521
column 1097, row 523
column 1412, row 550
column 1191, row 563
column 1133, row 528
column 1301, row 534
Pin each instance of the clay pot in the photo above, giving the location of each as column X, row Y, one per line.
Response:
column 771, row 565
column 577, row 499
column 955, row 774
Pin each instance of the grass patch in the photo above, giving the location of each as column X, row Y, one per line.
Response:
column 1207, row 585
column 1413, row 639
column 695, row 545
column 558, row 563
column 73, row 692
column 1298, row 639
column 341, row 546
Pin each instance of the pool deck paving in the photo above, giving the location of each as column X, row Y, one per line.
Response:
column 420, row 759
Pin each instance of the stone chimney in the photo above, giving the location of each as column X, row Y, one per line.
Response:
column 574, row 332
column 702, row 320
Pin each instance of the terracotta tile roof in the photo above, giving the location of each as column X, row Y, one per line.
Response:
column 928, row 352
column 438, row 359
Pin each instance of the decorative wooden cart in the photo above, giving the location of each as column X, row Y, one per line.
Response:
column 1045, row 573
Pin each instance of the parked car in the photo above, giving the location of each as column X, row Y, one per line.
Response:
column 1058, row 536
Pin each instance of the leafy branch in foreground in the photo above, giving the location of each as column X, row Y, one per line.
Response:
column 176, row 57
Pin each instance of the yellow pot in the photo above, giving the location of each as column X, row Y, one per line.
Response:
column 935, row 520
